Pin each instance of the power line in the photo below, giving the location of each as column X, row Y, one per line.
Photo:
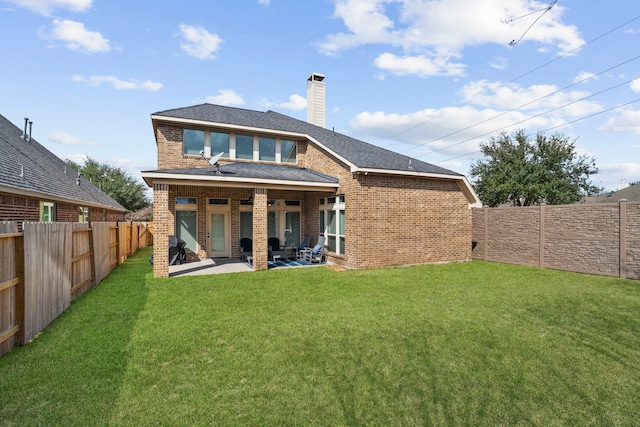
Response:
column 551, row 128
column 525, row 74
column 512, row 43
column 525, row 104
column 532, row 117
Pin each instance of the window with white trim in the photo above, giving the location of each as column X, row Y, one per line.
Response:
column 83, row 214
column 332, row 226
column 47, row 212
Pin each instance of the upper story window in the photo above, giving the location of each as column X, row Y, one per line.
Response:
column 239, row 146
column 193, row 141
column 220, row 143
column 267, row 149
column 289, row 151
column 244, row 147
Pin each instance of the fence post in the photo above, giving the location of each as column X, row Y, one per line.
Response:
column 541, row 238
column 485, row 249
column 623, row 238
column 20, row 300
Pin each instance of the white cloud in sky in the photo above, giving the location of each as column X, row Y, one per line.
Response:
column 67, row 139
column 46, row 7
column 534, row 99
column 117, row 83
column 264, row 2
column 635, row 85
column 225, row 97
column 500, row 63
column 295, row 103
column 198, row 42
column 584, row 77
column 76, row 37
column 627, row 121
column 429, row 36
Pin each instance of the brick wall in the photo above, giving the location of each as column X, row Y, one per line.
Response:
column 599, row 239
column 21, row 209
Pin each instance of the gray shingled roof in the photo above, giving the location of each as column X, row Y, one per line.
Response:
column 359, row 153
column 43, row 172
column 257, row 171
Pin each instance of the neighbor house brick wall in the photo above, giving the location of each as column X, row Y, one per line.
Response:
column 21, row 209
column 583, row 238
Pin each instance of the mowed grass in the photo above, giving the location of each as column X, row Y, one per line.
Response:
column 478, row 344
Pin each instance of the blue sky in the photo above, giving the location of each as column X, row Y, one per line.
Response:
column 430, row 79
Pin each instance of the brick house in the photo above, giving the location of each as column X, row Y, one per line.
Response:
column 282, row 177
column 37, row 186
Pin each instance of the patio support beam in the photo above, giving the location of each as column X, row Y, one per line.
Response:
column 163, row 224
column 260, row 250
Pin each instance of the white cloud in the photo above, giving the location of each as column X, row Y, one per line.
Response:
column 225, row 97
column 67, row 139
column 77, row 37
column 264, row 2
column 420, row 65
column 451, row 130
column 635, row 85
column 614, row 173
column 198, row 42
column 431, row 32
column 627, row 121
column 584, row 77
column 295, row 103
column 535, row 99
column 500, row 63
column 46, row 7
column 118, row 83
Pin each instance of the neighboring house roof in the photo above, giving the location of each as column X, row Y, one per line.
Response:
column 29, row 169
column 631, row 193
column 360, row 156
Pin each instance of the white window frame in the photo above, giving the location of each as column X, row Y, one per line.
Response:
column 335, row 206
column 187, row 207
column 256, row 146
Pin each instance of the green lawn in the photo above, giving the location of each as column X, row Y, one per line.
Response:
column 477, row 344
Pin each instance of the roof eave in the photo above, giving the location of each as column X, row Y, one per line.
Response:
column 463, row 183
column 224, row 181
column 45, row 196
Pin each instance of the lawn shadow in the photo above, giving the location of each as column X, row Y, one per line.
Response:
column 78, row 362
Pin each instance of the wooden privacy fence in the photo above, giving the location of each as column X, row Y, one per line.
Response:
column 46, row 266
column 594, row 238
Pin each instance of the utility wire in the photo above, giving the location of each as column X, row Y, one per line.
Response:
column 532, row 117
column 512, row 43
column 551, row 128
column 523, row 75
column 526, row 104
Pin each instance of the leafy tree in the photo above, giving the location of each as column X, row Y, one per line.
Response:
column 116, row 182
column 523, row 173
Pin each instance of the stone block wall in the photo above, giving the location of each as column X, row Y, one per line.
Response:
column 601, row 239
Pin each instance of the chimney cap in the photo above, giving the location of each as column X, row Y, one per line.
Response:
column 316, row 77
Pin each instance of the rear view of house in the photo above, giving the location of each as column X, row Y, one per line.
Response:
column 226, row 173
column 37, row 186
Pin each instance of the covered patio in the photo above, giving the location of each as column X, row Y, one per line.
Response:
column 211, row 209
column 230, row 265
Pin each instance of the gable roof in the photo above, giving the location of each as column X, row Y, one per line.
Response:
column 29, row 169
column 630, row 193
column 360, row 156
column 357, row 153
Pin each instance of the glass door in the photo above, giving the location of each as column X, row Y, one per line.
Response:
column 218, row 234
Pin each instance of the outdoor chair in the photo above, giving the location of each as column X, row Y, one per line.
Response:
column 297, row 250
column 316, row 254
column 276, row 251
column 246, row 249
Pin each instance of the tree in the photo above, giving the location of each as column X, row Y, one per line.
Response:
column 116, row 182
column 523, row 173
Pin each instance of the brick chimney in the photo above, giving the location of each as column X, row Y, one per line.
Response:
column 316, row 100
